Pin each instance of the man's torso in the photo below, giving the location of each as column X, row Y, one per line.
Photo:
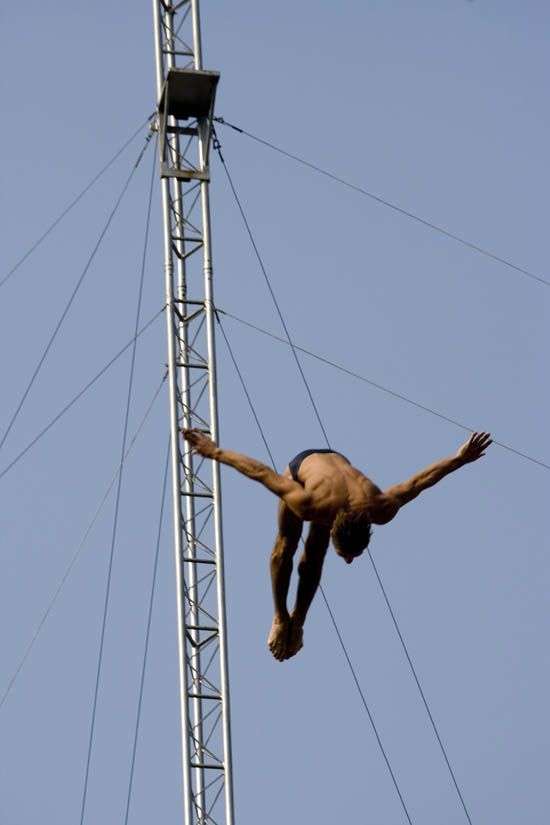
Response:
column 331, row 483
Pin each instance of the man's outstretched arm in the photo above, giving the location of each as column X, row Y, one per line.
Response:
column 202, row 445
column 473, row 449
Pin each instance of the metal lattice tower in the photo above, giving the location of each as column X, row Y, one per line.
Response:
column 186, row 96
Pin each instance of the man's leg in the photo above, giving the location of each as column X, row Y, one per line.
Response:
column 290, row 530
column 310, row 568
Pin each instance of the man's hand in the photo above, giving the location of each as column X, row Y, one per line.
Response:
column 474, row 448
column 202, row 445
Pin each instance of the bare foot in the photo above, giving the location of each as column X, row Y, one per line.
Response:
column 295, row 638
column 278, row 638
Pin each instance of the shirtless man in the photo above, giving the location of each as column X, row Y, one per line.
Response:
column 322, row 487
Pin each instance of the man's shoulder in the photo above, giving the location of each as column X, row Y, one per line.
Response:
column 300, row 501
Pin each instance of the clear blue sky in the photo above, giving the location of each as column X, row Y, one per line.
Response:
column 439, row 108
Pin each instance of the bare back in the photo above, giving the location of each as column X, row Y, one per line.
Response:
column 329, row 483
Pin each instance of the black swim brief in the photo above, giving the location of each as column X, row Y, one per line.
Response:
column 294, row 465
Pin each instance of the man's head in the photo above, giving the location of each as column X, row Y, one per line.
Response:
column 351, row 532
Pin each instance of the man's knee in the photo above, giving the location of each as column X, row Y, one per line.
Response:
column 289, row 533
column 285, row 546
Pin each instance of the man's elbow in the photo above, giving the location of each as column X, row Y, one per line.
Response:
column 395, row 501
column 386, row 514
column 388, row 507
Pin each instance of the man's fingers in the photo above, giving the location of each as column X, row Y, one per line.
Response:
column 481, row 439
column 478, row 444
column 475, row 446
column 193, row 436
column 484, row 440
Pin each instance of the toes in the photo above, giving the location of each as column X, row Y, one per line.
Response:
column 279, row 642
column 277, row 649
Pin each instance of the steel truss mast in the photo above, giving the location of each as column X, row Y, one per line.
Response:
column 186, row 95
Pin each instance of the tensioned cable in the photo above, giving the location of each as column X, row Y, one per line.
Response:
column 248, row 398
column 376, row 571
column 419, row 686
column 379, row 386
column 147, row 633
column 80, row 394
column 339, row 635
column 356, row 680
column 81, row 545
column 119, row 487
column 387, row 203
column 217, row 146
column 73, row 296
column 74, row 202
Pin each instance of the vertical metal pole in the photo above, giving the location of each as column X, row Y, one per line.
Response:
column 197, row 41
column 209, row 309
column 175, row 457
column 224, row 664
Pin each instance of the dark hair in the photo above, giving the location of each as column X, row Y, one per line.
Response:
column 351, row 531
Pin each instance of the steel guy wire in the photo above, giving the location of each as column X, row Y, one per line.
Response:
column 69, row 303
column 260, row 261
column 364, row 701
column 379, row 387
column 243, row 385
column 119, row 488
column 147, row 633
column 73, row 202
column 387, row 203
column 81, row 545
column 419, row 686
column 80, row 394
